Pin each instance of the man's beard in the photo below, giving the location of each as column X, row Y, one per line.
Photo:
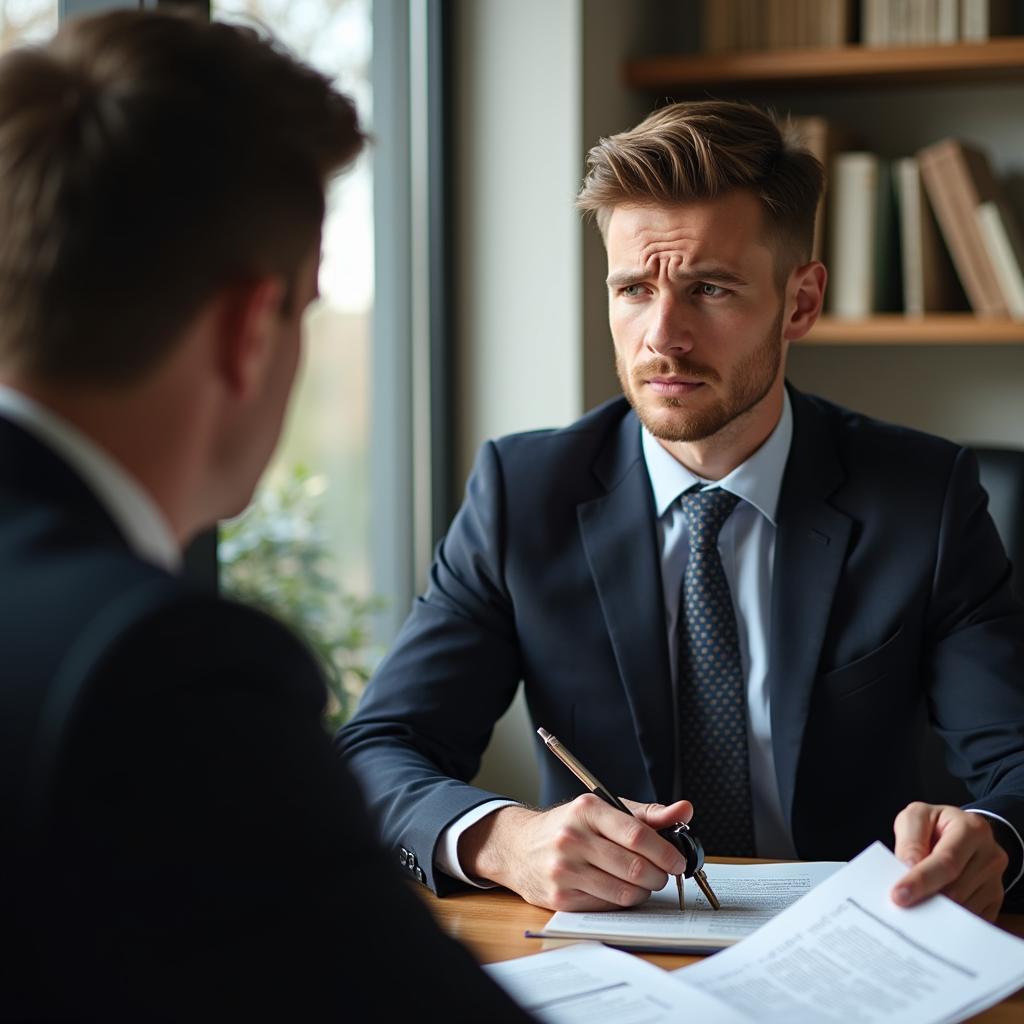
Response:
column 750, row 381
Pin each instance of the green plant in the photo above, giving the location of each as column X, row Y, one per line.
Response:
column 277, row 557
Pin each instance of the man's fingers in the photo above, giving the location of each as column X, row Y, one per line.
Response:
column 634, row 836
column 579, row 900
column 939, row 869
column 991, row 910
column 958, row 842
column 632, row 869
column 914, row 829
column 661, row 815
column 980, row 884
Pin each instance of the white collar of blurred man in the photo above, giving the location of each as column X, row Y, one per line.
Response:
column 197, row 431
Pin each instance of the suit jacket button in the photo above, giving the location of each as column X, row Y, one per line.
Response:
column 412, row 860
column 403, row 857
column 420, row 877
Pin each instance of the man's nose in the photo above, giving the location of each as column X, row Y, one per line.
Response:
column 670, row 331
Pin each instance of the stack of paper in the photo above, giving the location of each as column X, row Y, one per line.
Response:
column 842, row 954
column 750, row 894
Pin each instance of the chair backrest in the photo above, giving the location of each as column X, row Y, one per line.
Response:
column 1002, row 475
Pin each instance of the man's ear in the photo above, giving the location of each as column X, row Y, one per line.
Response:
column 805, row 294
column 247, row 330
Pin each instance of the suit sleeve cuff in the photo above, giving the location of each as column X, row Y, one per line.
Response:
column 446, row 853
column 1006, row 836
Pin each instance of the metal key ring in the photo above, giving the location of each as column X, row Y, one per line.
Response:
column 686, row 842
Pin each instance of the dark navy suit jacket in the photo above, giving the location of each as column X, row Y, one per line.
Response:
column 891, row 608
column 180, row 840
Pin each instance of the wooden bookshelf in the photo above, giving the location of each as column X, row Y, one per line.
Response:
column 934, row 329
column 848, row 66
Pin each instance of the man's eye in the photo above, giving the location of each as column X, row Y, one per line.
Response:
column 632, row 291
column 711, row 291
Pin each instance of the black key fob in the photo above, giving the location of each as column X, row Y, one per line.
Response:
column 680, row 836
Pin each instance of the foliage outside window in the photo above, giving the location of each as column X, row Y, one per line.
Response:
column 277, row 556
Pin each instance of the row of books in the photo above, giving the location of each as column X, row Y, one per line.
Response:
column 922, row 22
column 728, row 25
column 925, row 233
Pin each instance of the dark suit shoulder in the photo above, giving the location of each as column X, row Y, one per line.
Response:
column 565, row 460
column 876, row 457
column 194, row 640
column 872, row 439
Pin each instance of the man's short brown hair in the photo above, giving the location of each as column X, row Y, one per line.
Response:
column 146, row 160
column 693, row 151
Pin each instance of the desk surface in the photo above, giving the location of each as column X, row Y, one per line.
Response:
column 491, row 924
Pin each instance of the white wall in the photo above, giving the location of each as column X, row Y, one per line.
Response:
column 517, row 157
column 517, row 289
column 537, row 82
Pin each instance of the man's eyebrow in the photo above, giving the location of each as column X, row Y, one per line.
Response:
column 700, row 272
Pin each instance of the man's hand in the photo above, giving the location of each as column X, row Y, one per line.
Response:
column 583, row 855
column 949, row 851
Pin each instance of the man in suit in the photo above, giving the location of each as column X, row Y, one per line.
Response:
column 180, row 840
column 727, row 598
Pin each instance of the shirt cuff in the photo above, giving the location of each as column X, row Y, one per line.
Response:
column 446, row 853
column 997, row 817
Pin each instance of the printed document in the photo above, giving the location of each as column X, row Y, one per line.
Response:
column 750, row 894
column 847, row 954
column 586, row 983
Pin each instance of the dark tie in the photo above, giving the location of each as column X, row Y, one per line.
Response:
column 712, row 691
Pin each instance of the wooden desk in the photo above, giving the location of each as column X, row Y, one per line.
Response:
column 491, row 925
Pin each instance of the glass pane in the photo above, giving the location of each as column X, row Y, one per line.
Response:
column 303, row 548
column 26, row 21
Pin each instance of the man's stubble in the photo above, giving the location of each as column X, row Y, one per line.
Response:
column 750, row 381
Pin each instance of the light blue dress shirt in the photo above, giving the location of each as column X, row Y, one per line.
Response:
column 746, row 545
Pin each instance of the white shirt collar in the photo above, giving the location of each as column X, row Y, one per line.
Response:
column 757, row 481
column 139, row 518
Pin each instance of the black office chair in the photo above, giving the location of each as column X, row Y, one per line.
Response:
column 1002, row 475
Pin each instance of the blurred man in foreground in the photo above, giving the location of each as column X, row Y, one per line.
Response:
column 179, row 840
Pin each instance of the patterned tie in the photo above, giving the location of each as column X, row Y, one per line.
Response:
column 712, row 690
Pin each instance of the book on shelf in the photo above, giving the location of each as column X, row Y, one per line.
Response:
column 929, row 280
column 957, row 178
column 728, row 25
column 823, row 138
column 864, row 272
column 836, row 22
column 983, row 19
column 717, row 24
column 947, row 21
column 874, row 23
column 1006, row 250
column 923, row 22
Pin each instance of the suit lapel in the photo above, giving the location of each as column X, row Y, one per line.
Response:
column 620, row 540
column 810, row 548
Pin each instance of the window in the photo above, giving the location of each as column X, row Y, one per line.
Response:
column 26, row 21
column 303, row 549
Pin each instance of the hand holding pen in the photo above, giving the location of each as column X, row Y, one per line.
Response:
column 679, row 834
column 584, row 855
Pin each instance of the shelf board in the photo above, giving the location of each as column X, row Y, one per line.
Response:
column 849, row 66
column 934, row 329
